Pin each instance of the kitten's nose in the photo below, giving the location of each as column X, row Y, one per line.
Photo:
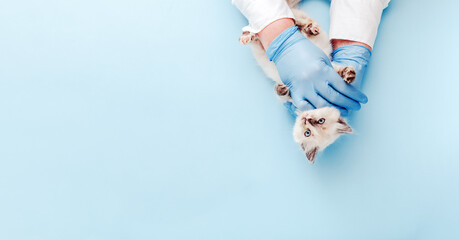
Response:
column 305, row 120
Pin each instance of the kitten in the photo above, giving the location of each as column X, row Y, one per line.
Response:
column 315, row 129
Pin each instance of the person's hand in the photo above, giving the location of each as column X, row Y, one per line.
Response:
column 353, row 55
column 308, row 73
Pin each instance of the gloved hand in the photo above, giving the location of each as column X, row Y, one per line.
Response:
column 308, row 73
column 353, row 55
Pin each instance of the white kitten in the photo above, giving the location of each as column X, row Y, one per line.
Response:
column 314, row 130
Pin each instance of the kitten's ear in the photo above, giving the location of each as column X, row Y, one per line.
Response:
column 343, row 126
column 311, row 154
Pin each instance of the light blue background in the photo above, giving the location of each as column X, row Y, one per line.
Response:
column 147, row 120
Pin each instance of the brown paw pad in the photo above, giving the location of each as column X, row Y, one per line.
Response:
column 312, row 29
column 246, row 38
column 282, row 90
column 348, row 74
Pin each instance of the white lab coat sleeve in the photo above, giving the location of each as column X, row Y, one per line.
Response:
column 261, row 13
column 356, row 20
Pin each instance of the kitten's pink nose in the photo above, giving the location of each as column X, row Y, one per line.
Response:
column 305, row 120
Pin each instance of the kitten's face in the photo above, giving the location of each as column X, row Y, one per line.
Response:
column 314, row 130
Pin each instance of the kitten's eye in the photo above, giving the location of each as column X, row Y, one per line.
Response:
column 307, row 133
column 322, row 120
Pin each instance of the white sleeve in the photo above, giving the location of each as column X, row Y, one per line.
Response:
column 261, row 13
column 356, row 20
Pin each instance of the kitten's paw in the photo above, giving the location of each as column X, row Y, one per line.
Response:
column 348, row 74
column 312, row 28
column 246, row 37
column 282, row 90
column 305, row 24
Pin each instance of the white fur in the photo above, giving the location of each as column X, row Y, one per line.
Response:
column 322, row 134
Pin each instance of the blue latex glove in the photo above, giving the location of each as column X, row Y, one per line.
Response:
column 308, row 73
column 353, row 55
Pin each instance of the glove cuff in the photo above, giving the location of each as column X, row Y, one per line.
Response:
column 357, row 54
column 287, row 38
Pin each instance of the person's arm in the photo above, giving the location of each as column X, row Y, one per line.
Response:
column 355, row 21
column 353, row 29
column 261, row 13
column 302, row 66
column 274, row 29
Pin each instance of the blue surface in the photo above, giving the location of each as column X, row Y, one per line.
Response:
column 148, row 120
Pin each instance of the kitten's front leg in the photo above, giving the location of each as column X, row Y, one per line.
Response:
column 347, row 73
